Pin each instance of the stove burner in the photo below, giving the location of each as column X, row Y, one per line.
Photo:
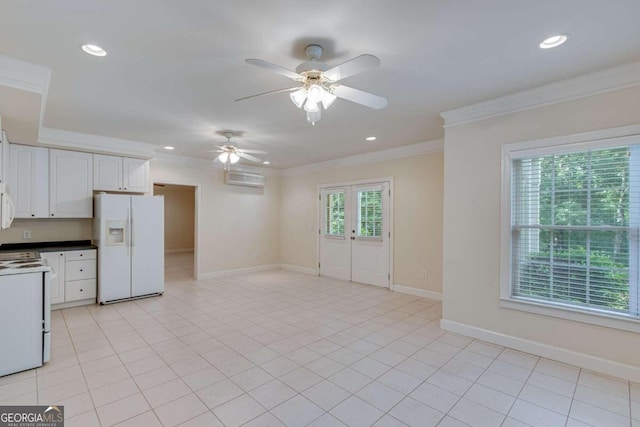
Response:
column 22, row 261
column 10, row 256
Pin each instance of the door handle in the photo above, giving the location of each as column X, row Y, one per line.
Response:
column 353, row 238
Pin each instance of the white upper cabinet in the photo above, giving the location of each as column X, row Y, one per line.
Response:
column 112, row 173
column 70, row 184
column 107, row 173
column 136, row 175
column 29, row 180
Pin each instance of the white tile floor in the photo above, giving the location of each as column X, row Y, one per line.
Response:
column 279, row 348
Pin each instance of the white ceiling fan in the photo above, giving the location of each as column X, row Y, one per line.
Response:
column 320, row 86
column 231, row 154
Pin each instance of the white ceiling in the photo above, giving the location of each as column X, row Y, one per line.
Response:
column 175, row 67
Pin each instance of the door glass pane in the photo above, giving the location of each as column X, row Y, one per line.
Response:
column 370, row 213
column 334, row 214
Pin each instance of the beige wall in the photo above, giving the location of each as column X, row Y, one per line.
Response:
column 47, row 230
column 179, row 214
column 239, row 227
column 472, row 222
column 417, row 216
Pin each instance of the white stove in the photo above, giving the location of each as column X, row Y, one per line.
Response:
column 22, row 262
column 25, row 311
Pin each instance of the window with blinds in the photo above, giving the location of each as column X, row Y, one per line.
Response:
column 574, row 229
column 370, row 213
column 334, row 214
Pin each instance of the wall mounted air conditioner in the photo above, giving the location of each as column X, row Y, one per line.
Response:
column 244, row 179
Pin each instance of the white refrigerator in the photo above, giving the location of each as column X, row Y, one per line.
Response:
column 129, row 233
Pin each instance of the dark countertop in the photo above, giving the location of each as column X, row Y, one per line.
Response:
column 73, row 245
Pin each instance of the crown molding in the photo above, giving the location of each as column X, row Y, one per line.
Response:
column 27, row 76
column 178, row 160
column 373, row 157
column 58, row 138
column 609, row 80
column 24, row 75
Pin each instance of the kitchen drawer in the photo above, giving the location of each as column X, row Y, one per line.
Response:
column 81, row 255
column 79, row 289
column 80, row 270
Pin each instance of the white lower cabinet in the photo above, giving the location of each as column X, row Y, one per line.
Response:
column 80, row 289
column 56, row 261
column 76, row 276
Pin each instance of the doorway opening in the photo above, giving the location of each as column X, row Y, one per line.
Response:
column 180, row 229
column 355, row 236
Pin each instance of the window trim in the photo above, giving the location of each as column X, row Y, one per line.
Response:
column 628, row 135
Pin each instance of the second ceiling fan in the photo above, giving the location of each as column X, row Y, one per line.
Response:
column 320, row 86
column 230, row 153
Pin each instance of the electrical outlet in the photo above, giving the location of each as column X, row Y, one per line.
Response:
column 424, row 274
column 26, row 234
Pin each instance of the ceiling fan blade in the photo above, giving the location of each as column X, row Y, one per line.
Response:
column 359, row 97
column 353, row 66
column 244, row 150
column 248, row 156
column 276, row 68
column 268, row 93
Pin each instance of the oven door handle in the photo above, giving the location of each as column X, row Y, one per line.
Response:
column 53, row 273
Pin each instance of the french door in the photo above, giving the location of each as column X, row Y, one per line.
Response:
column 355, row 234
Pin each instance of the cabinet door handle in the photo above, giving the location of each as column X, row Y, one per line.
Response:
column 80, row 254
column 52, row 214
column 33, row 214
column 81, row 270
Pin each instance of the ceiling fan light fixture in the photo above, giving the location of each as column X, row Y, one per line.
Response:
column 233, row 158
column 314, row 116
column 298, row 97
column 223, row 157
column 311, row 107
column 327, row 99
column 315, row 94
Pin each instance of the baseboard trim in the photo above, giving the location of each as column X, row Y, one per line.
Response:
column 417, row 292
column 90, row 301
column 237, row 271
column 582, row 360
column 298, row 269
column 178, row 251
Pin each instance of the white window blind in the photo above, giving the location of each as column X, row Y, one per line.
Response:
column 370, row 213
column 574, row 229
column 334, row 213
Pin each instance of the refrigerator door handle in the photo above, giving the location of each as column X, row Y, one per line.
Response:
column 131, row 231
column 128, row 233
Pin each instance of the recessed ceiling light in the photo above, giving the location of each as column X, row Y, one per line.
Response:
column 94, row 50
column 266, row 162
column 168, row 147
column 553, row 41
column 370, row 138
